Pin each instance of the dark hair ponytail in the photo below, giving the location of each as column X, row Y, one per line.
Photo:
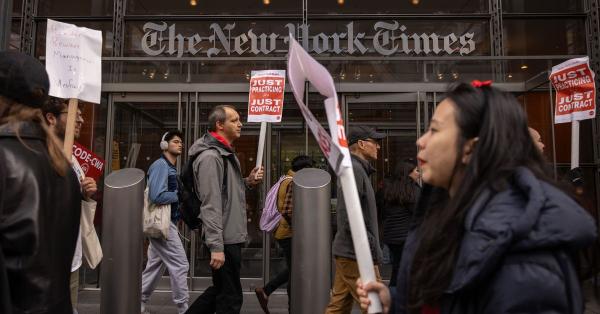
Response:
column 500, row 124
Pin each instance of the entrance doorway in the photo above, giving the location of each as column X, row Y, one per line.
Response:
column 138, row 121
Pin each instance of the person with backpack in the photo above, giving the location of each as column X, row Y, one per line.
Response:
column 283, row 233
column 166, row 253
column 220, row 189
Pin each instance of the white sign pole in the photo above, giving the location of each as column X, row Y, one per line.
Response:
column 261, row 143
column 574, row 144
column 302, row 67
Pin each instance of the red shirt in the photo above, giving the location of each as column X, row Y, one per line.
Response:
column 220, row 139
column 426, row 309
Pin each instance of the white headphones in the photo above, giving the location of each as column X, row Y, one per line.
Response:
column 164, row 145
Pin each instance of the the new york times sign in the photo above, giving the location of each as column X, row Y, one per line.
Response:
column 386, row 39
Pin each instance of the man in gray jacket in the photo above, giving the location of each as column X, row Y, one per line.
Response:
column 364, row 146
column 221, row 189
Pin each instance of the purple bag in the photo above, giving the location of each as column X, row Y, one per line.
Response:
column 269, row 220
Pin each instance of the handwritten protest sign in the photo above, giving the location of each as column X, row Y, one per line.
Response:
column 91, row 164
column 73, row 61
column 575, row 90
column 265, row 103
column 302, row 67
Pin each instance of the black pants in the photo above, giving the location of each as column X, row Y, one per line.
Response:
column 225, row 295
column 283, row 276
column 396, row 250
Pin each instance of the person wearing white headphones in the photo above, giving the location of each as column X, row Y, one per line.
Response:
column 166, row 253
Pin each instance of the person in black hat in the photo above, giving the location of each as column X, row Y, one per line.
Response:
column 364, row 148
column 39, row 196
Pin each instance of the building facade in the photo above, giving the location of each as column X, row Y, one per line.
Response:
column 166, row 63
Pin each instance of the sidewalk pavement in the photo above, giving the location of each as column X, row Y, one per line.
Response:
column 160, row 303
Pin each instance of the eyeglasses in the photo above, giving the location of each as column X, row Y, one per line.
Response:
column 79, row 115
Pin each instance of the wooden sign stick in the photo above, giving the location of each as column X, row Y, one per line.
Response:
column 70, row 131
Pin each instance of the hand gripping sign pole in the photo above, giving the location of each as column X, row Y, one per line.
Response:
column 265, row 102
column 73, row 63
column 575, row 98
column 302, row 67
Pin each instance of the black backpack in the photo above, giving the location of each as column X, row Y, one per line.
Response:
column 189, row 203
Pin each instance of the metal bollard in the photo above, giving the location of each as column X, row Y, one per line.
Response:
column 122, row 241
column 311, row 243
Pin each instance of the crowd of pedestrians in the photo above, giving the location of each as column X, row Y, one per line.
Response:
column 474, row 225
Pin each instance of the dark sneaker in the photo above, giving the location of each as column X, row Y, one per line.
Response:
column 263, row 299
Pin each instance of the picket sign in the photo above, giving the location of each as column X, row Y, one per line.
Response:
column 302, row 67
column 73, row 63
column 575, row 88
column 265, row 102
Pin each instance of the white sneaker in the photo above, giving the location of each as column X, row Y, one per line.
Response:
column 144, row 309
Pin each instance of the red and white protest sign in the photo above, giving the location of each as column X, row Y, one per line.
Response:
column 575, row 90
column 91, row 164
column 265, row 103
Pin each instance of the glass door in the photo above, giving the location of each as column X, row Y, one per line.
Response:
column 246, row 147
column 139, row 122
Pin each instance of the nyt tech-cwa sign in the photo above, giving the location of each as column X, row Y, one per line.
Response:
column 388, row 39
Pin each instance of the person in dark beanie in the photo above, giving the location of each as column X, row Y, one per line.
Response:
column 39, row 196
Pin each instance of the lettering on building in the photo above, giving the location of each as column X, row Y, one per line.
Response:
column 387, row 39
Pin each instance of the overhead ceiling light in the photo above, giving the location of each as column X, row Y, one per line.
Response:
column 524, row 67
column 193, row 3
column 266, row 2
column 340, row 2
column 415, row 2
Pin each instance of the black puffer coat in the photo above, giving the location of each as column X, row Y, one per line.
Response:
column 515, row 253
column 39, row 222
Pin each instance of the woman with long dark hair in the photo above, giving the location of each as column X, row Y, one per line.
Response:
column 496, row 235
column 39, row 196
column 399, row 197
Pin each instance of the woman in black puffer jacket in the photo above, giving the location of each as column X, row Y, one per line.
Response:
column 496, row 235
column 399, row 197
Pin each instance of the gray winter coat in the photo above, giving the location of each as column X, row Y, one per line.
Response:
column 223, row 210
column 343, row 246
column 515, row 255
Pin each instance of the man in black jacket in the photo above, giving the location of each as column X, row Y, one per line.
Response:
column 364, row 147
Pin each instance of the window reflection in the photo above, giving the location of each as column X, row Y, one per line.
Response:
column 531, row 36
column 397, row 7
column 201, row 7
column 76, row 8
column 542, row 6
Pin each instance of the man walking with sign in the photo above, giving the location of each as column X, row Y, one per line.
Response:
column 221, row 190
column 55, row 112
column 364, row 147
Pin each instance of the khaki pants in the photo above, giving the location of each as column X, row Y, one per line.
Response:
column 74, row 287
column 344, row 286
